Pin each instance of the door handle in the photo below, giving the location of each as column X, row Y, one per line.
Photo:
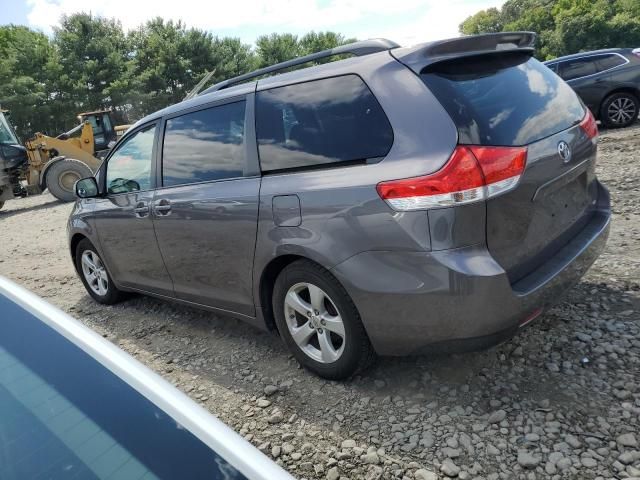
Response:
column 141, row 209
column 162, row 207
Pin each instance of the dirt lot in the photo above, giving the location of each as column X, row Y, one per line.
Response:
column 560, row 400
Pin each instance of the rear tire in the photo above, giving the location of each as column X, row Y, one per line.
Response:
column 619, row 110
column 63, row 175
column 311, row 305
column 94, row 275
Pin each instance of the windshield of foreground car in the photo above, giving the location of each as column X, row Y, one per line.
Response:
column 64, row 415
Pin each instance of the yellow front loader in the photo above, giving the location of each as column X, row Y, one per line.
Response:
column 57, row 163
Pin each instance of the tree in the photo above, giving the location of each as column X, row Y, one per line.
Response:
column 91, row 63
column 564, row 26
column 276, row 48
column 92, row 52
column 231, row 58
column 536, row 16
column 317, row 41
column 485, row 21
column 23, row 80
column 159, row 72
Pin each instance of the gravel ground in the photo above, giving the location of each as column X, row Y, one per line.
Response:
column 560, row 400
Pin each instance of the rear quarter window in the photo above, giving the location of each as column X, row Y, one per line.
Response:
column 580, row 67
column 605, row 62
column 318, row 123
column 510, row 99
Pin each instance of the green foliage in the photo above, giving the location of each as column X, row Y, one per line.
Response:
column 90, row 63
column 564, row 26
column 314, row 42
column 485, row 21
column 24, row 78
column 276, row 48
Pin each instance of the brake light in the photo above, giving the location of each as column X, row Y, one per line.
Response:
column 589, row 125
column 473, row 173
column 501, row 167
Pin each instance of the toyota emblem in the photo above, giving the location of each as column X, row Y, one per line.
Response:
column 564, row 151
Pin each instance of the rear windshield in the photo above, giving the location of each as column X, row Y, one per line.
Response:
column 510, row 99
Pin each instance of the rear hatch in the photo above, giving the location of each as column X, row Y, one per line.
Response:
column 510, row 99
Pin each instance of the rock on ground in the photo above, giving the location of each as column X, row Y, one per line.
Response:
column 567, row 387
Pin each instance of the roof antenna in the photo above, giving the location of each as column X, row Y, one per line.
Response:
column 195, row 90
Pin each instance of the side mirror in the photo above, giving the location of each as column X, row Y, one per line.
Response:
column 87, row 188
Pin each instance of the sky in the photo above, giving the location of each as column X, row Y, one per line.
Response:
column 405, row 21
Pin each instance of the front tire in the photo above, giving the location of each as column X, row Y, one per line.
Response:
column 619, row 110
column 319, row 323
column 62, row 176
column 94, row 275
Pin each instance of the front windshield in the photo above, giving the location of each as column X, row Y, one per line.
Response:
column 7, row 135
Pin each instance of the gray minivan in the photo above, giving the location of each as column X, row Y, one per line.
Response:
column 402, row 200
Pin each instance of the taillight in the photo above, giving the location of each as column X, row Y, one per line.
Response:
column 501, row 167
column 589, row 125
column 473, row 173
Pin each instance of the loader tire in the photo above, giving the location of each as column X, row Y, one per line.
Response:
column 62, row 177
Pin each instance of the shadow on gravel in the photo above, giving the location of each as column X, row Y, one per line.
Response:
column 34, row 208
column 534, row 366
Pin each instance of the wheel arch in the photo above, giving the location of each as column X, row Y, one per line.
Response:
column 635, row 91
column 268, row 277
column 73, row 246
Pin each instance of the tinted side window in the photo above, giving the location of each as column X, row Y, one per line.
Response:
column 605, row 62
column 320, row 122
column 129, row 167
column 204, row 145
column 580, row 67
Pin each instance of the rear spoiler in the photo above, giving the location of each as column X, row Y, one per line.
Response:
column 425, row 54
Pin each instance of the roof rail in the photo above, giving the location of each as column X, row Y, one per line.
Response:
column 364, row 47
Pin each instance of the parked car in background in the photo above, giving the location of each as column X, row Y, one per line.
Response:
column 73, row 405
column 394, row 202
column 608, row 81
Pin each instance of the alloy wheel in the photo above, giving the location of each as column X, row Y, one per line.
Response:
column 314, row 322
column 94, row 272
column 621, row 110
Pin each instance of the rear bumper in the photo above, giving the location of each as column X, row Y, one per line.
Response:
column 412, row 302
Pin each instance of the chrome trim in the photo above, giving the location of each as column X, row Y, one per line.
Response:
column 219, row 437
column 558, row 62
